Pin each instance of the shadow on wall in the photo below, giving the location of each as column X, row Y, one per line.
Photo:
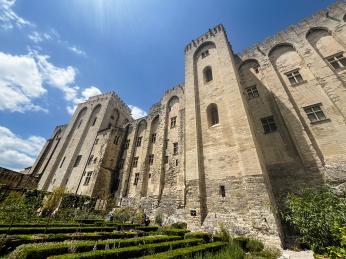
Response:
column 287, row 152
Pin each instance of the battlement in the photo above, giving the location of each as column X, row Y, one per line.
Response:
column 174, row 88
column 110, row 94
column 334, row 12
column 204, row 37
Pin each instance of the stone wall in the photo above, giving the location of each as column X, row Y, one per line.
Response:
column 17, row 180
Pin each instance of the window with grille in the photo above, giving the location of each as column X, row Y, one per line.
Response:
column 268, row 124
column 116, row 140
column 294, row 77
column 138, row 141
column 76, row 163
column 252, row 92
column 127, row 144
column 121, row 163
column 135, row 161
column 337, row 61
column 205, row 53
column 175, row 148
column 315, row 113
column 87, row 178
column 208, row 74
column 173, row 122
column 153, row 138
column 151, row 159
column 135, row 182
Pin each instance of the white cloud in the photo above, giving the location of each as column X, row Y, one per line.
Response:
column 16, row 152
column 20, row 83
column 137, row 112
column 25, row 78
column 85, row 95
column 77, row 50
column 8, row 18
column 38, row 37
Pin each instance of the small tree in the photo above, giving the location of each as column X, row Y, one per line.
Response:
column 13, row 209
column 51, row 204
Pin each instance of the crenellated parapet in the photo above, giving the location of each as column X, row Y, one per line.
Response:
column 209, row 34
column 329, row 18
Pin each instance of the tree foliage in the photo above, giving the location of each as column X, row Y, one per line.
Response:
column 318, row 215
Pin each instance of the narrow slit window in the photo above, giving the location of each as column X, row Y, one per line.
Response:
column 208, row 74
column 135, row 162
column 222, row 191
column 175, row 148
column 76, row 163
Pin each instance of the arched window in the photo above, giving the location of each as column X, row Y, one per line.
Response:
column 208, row 74
column 212, row 114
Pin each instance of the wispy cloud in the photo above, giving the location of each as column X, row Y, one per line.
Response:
column 8, row 18
column 77, row 50
column 38, row 37
column 137, row 112
column 16, row 152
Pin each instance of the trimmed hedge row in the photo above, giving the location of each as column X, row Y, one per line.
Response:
column 188, row 251
column 132, row 251
column 147, row 228
column 175, row 232
column 37, row 230
column 47, row 249
column 207, row 237
column 96, row 224
column 11, row 242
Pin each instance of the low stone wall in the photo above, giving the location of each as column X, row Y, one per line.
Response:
column 18, row 180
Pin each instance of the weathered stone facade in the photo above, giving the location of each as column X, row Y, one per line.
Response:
column 228, row 144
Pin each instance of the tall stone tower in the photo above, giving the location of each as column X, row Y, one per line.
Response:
column 225, row 179
column 84, row 153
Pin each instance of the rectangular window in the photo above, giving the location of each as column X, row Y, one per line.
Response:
column 76, row 163
column 175, row 148
column 222, row 191
column 268, row 124
column 294, row 77
column 205, row 53
column 62, row 162
column 121, row 163
column 315, row 113
column 151, row 159
column 138, row 141
column 153, row 138
column 166, row 159
column 87, row 178
column 127, row 144
column 135, row 161
column 173, row 122
column 251, row 92
column 116, row 140
column 135, row 182
column 176, row 162
column 337, row 61
column 193, row 213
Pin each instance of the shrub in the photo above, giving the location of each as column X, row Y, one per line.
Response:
column 36, row 230
column 147, row 228
column 241, row 241
column 207, row 237
column 254, row 245
column 159, row 219
column 230, row 251
column 223, row 233
column 317, row 214
column 179, row 225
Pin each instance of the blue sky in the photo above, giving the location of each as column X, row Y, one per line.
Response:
column 55, row 54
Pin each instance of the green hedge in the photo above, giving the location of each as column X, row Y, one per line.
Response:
column 132, row 251
column 207, row 237
column 47, row 249
column 11, row 242
column 188, row 251
column 174, row 232
column 18, row 230
column 147, row 228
